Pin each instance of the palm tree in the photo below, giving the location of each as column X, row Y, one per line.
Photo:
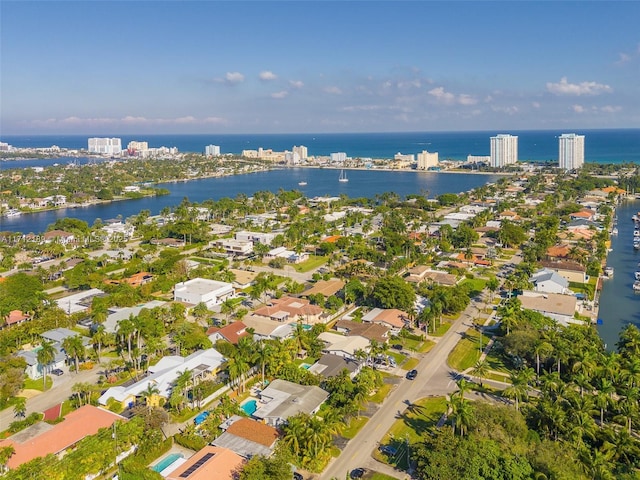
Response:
column 5, row 455
column 20, row 407
column 148, row 395
column 480, row 370
column 517, row 390
column 228, row 307
column 604, row 397
column 74, row 348
column 100, row 338
column 46, row 355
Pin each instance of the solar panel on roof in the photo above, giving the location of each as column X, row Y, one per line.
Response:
column 196, row 465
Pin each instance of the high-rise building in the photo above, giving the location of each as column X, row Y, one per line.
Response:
column 427, row 160
column 338, row 157
column 107, row 146
column 571, row 151
column 504, row 150
column 213, row 150
column 301, row 151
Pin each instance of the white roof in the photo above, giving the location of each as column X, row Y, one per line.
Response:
column 74, row 303
column 202, row 286
column 340, row 343
column 119, row 314
column 164, row 374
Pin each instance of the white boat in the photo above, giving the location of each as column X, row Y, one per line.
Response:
column 614, row 231
column 637, row 275
column 636, row 286
column 343, row 177
column 636, row 233
column 302, row 183
column 12, row 213
column 608, row 271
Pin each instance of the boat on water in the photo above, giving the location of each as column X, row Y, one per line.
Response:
column 637, row 275
column 343, row 177
column 608, row 271
column 12, row 213
column 636, row 245
column 636, row 286
column 614, row 231
column 302, row 183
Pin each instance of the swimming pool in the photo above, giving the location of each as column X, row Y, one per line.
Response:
column 306, row 366
column 166, row 461
column 250, row 406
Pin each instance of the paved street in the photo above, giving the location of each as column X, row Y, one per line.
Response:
column 435, row 378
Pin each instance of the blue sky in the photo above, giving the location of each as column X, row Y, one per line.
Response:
column 104, row 67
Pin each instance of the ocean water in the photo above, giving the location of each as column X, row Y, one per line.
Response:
column 601, row 146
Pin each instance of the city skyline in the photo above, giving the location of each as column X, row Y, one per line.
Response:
column 283, row 67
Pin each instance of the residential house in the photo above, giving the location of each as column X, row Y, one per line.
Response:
column 209, row 462
column 330, row 365
column 119, row 231
column 229, row 333
column 343, row 346
column 255, row 237
column 168, row 242
column 35, row 369
column 163, row 375
column 243, row 279
column 283, row 399
column 559, row 307
column 117, row 314
column 325, row 287
column 289, row 255
column 235, row 247
column 572, row 271
column 59, row 236
column 16, row 317
column 549, row 281
column 247, row 437
column 290, row 309
column 265, row 328
column 43, row 439
column 370, row 331
column 202, row 290
column 392, row 318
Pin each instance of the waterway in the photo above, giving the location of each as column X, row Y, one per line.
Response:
column 320, row 182
column 619, row 304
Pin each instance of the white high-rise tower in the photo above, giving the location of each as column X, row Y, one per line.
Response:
column 504, row 150
column 571, row 151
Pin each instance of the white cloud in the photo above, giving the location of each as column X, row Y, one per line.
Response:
column 296, row 83
column 511, row 110
column 584, row 88
column 234, row 77
column 578, row 109
column 535, row 104
column 333, row 90
column 281, row 94
column 448, row 98
column 267, row 76
column 611, row 108
column 215, row 120
column 623, row 58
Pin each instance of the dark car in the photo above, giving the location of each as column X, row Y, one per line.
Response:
column 297, row 476
column 412, row 374
column 357, row 473
column 396, row 346
column 57, row 371
column 388, row 449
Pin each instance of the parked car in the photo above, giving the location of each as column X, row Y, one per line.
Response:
column 412, row 374
column 357, row 473
column 388, row 449
column 297, row 476
column 57, row 372
column 396, row 346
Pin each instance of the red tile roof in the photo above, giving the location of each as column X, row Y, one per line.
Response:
column 220, row 463
column 87, row 420
column 255, row 431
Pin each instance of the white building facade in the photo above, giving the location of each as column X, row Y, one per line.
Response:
column 427, row 160
column 213, row 150
column 106, row 146
column 338, row 157
column 301, row 151
column 571, row 151
column 504, row 150
column 210, row 292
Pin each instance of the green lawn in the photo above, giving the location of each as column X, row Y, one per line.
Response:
column 31, row 384
column 378, row 476
column 410, row 364
column 587, row 288
column 381, row 394
column 442, row 329
column 411, row 427
column 398, row 357
column 476, row 285
column 353, row 427
column 314, row 261
column 467, row 352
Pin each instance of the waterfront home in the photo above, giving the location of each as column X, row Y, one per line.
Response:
column 209, row 462
column 59, row 236
column 247, row 437
column 201, row 364
column 584, row 214
column 119, row 231
column 572, row 271
column 202, row 290
column 283, row 399
column 561, row 308
column 43, row 439
column 330, row 365
column 549, row 281
column 558, row 252
column 342, row 346
column 290, row 309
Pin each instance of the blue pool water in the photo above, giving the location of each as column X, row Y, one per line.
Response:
column 250, row 406
column 166, row 461
column 306, row 366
